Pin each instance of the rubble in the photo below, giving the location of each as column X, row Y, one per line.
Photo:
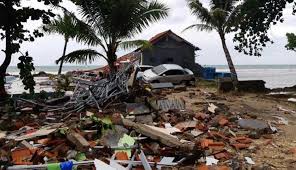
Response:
column 106, row 125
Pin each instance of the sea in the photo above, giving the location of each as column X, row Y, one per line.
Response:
column 275, row 76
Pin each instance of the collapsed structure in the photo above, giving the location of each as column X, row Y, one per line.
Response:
column 107, row 125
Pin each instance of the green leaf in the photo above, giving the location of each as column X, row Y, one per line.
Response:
column 80, row 157
column 126, row 45
column 126, row 140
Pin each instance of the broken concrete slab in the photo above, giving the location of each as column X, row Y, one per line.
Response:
column 253, row 124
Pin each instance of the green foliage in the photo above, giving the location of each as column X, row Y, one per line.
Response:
column 135, row 44
column 13, row 18
column 291, row 41
column 258, row 17
column 102, row 124
column 249, row 19
column 222, row 16
column 83, row 56
column 109, row 23
column 26, row 67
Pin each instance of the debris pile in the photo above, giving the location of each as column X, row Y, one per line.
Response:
column 148, row 131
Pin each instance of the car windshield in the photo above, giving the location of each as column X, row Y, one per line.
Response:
column 159, row 69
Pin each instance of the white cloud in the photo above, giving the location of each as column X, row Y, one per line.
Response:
column 46, row 50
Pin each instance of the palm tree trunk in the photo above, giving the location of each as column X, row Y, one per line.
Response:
column 64, row 54
column 112, row 66
column 229, row 61
column 112, row 58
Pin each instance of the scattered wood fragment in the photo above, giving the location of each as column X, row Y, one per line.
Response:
column 79, row 141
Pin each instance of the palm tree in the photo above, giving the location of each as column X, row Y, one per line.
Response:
column 222, row 16
column 110, row 23
column 66, row 26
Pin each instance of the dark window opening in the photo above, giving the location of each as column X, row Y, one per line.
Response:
column 170, row 60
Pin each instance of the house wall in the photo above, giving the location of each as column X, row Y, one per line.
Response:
column 170, row 51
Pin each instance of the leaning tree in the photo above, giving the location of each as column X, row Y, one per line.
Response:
column 249, row 19
column 221, row 16
column 12, row 30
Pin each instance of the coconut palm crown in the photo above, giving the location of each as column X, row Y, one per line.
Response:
column 64, row 25
column 110, row 23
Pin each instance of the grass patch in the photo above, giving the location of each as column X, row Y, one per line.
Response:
column 206, row 83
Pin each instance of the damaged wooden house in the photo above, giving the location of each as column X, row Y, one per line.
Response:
column 168, row 48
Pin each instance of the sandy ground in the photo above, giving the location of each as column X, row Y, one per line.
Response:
column 274, row 150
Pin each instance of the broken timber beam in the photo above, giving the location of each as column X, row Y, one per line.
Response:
column 164, row 138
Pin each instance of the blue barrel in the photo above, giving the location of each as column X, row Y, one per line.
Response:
column 209, row 73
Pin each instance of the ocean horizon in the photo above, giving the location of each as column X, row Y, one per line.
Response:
column 275, row 76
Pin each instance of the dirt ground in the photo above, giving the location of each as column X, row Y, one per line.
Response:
column 276, row 151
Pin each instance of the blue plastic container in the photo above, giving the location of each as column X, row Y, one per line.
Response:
column 209, row 73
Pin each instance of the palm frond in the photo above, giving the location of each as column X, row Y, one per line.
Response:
column 200, row 27
column 149, row 13
column 85, row 33
column 199, row 11
column 126, row 45
column 82, row 56
column 88, row 35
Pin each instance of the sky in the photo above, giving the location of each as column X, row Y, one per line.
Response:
column 47, row 49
